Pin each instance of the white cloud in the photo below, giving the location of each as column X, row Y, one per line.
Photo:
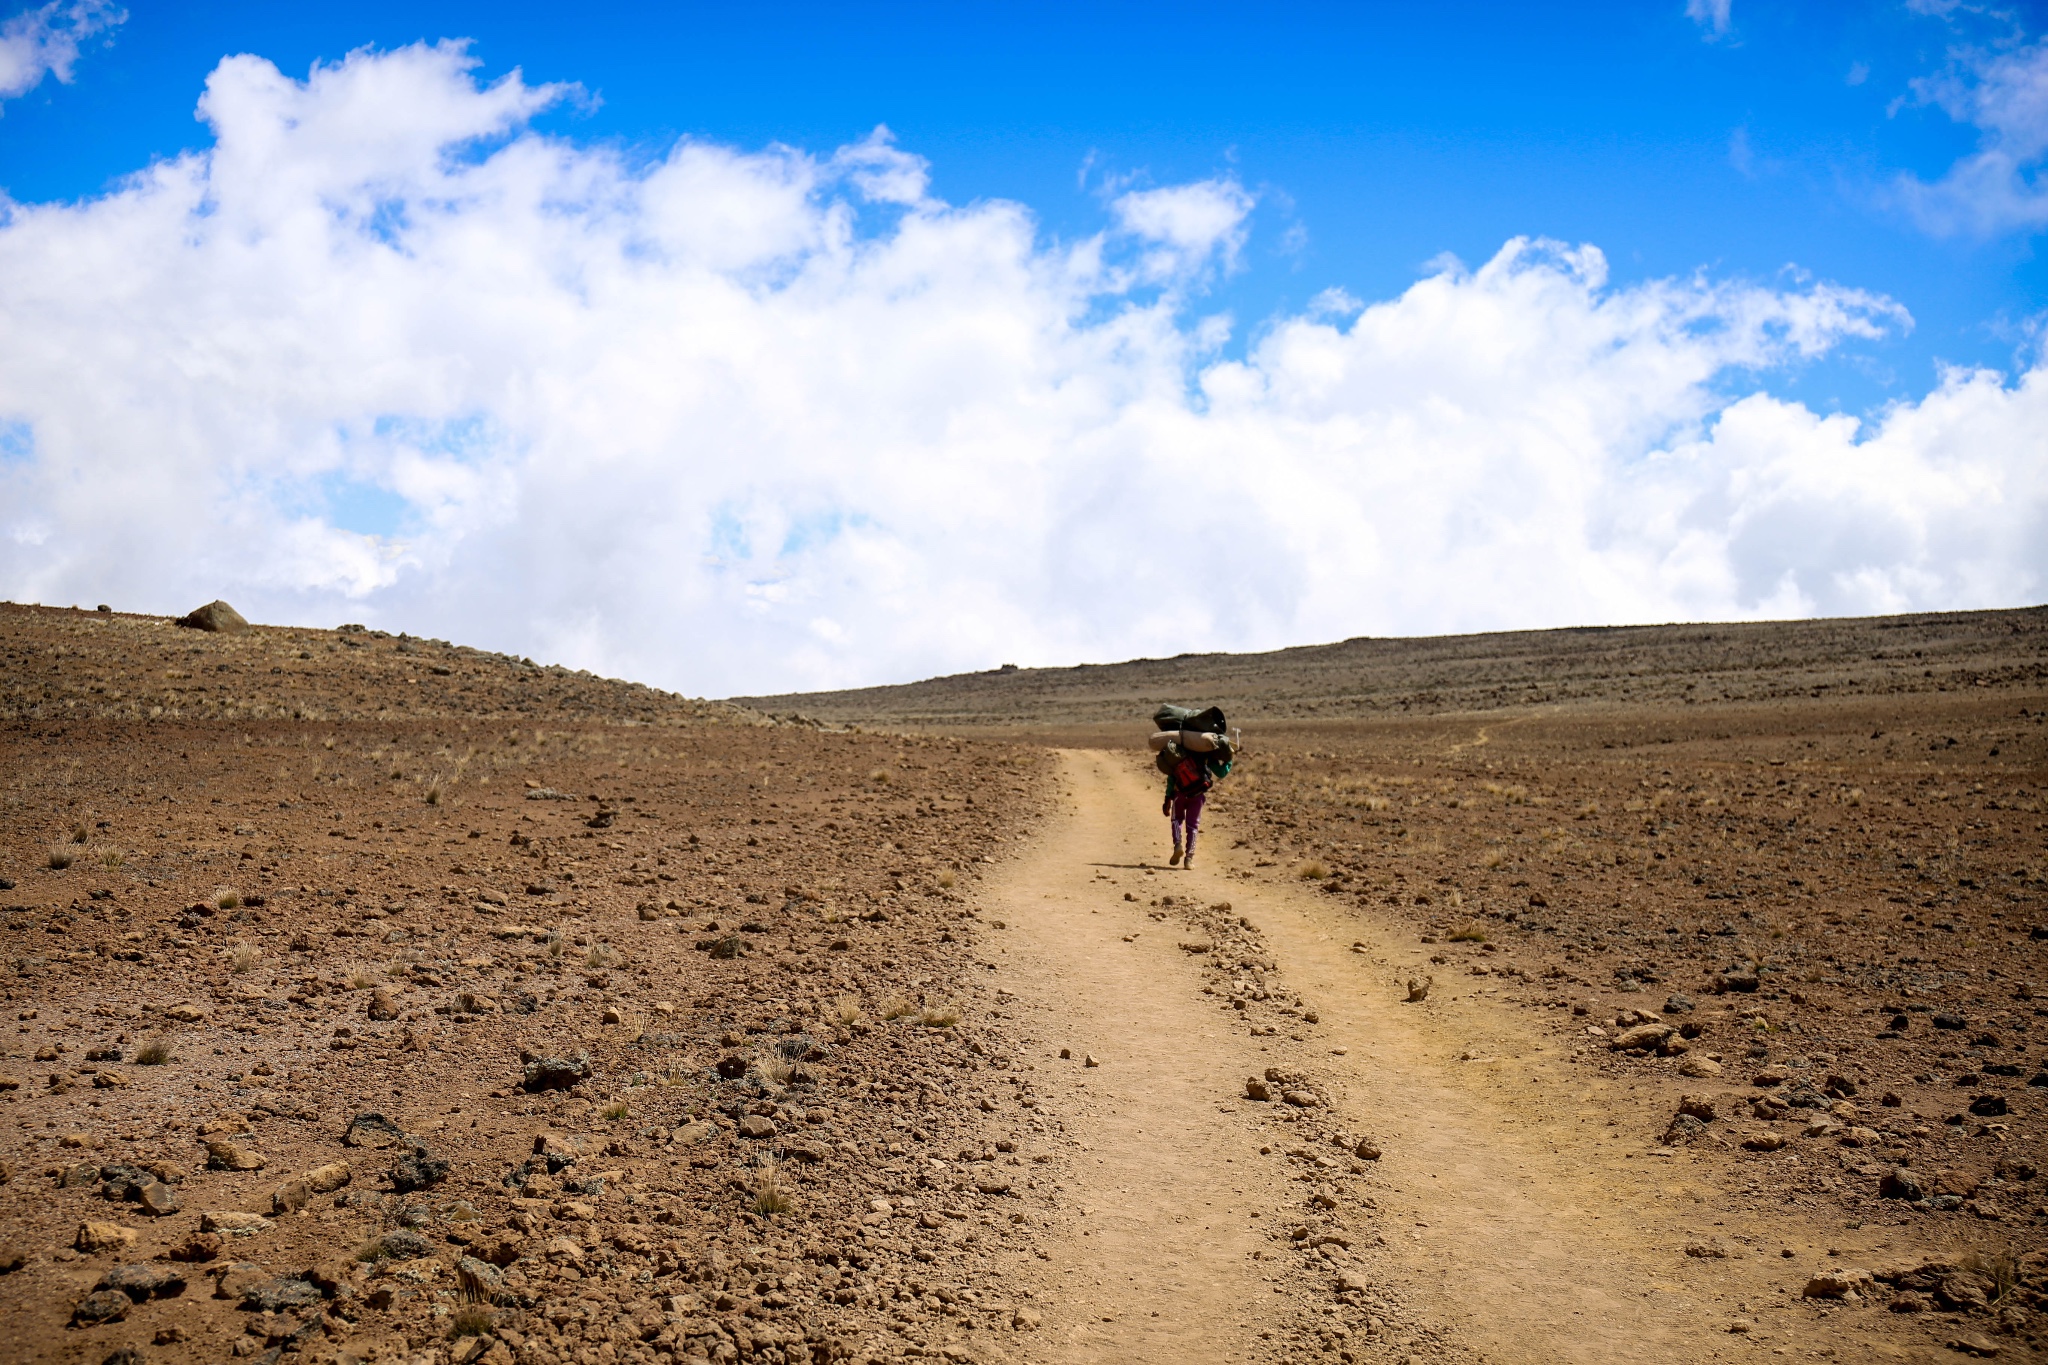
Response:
column 1186, row 227
column 1711, row 15
column 44, row 42
column 746, row 421
column 2000, row 186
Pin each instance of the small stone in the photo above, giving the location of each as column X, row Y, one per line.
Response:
column 275, row 1296
column 1641, row 1038
column 1256, row 1089
column 1683, row 1129
column 756, row 1126
column 1026, row 1320
column 225, row 1155
column 1839, row 1283
column 417, row 1170
column 404, row 1245
column 1700, row 1107
column 200, row 1246
column 1764, row 1142
column 102, row 1305
column 1678, row 1004
column 216, row 617
column 233, row 1281
column 157, row 1199
column 1769, row 1076
column 97, row 1237
column 1709, row 1250
column 1901, row 1183
column 1301, row 1099
column 373, row 1131
column 1366, row 1150
column 1089, row 1060
column 232, row 1222
column 1699, row 1068
column 1970, row 1343
column 140, row 1282
column 556, row 1073
column 383, row 1007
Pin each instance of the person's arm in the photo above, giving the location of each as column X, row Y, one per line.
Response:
column 1166, row 801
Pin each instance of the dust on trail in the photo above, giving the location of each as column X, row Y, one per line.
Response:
column 1512, row 1225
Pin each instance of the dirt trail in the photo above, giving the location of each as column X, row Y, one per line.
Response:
column 1517, row 1225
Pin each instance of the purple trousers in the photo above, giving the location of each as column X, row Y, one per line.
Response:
column 1185, row 811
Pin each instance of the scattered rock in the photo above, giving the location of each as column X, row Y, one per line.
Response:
column 417, row 1170
column 555, row 1073
column 1366, row 1150
column 224, row 1154
column 102, row 1305
column 1839, row 1284
column 1256, row 1089
column 216, row 617
column 373, row 1131
column 275, row 1296
column 1642, row 1038
column 756, row 1126
column 232, row 1222
column 157, row 1199
column 383, row 1006
column 97, row 1237
column 1418, row 988
column 140, row 1282
column 1901, row 1183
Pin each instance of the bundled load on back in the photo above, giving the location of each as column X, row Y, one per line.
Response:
column 1194, row 749
column 1193, row 732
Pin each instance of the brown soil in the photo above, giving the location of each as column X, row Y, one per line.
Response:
column 1480, row 1175
column 380, row 906
column 1813, row 847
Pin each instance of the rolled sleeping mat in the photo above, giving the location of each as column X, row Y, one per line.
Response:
column 1163, row 738
column 1199, row 741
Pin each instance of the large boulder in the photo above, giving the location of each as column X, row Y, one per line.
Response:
column 217, row 617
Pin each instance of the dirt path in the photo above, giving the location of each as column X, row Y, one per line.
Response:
column 1512, row 1221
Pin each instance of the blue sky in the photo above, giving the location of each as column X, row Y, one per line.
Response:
column 1377, row 136
column 622, row 337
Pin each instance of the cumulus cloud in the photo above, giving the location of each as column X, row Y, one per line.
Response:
column 44, row 42
column 738, row 421
column 2003, row 94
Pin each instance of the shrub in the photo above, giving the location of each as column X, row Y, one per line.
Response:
column 1314, row 870
column 155, row 1052
column 244, row 956
column 61, row 858
column 771, row 1196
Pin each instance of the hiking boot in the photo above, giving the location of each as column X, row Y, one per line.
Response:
column 1174, row 861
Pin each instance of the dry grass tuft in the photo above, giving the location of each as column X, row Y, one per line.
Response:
column 939, row 1016
column 244, row 956
column 947, row 878
column 302, row 942
column 470, row 1320
column 155, row 1052
column 360, row 978
column 600, row 955
column 879, row 776
column 1494, row 858
column 1314, row 870
column 771, row 1196
column 227, row 900
column 61, row 858
column 615, row 1111
column 895, row 1007
column 112, row 859
column 434, row 795
column 1468, row 933
column 846, row 1009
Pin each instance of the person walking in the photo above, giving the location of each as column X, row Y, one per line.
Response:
column 1187, row 786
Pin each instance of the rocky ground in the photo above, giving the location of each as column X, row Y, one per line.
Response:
column 1773, row 896
column 1586, row 995
column 375, row 999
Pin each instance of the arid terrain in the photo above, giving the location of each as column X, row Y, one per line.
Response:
column 1647, row 995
